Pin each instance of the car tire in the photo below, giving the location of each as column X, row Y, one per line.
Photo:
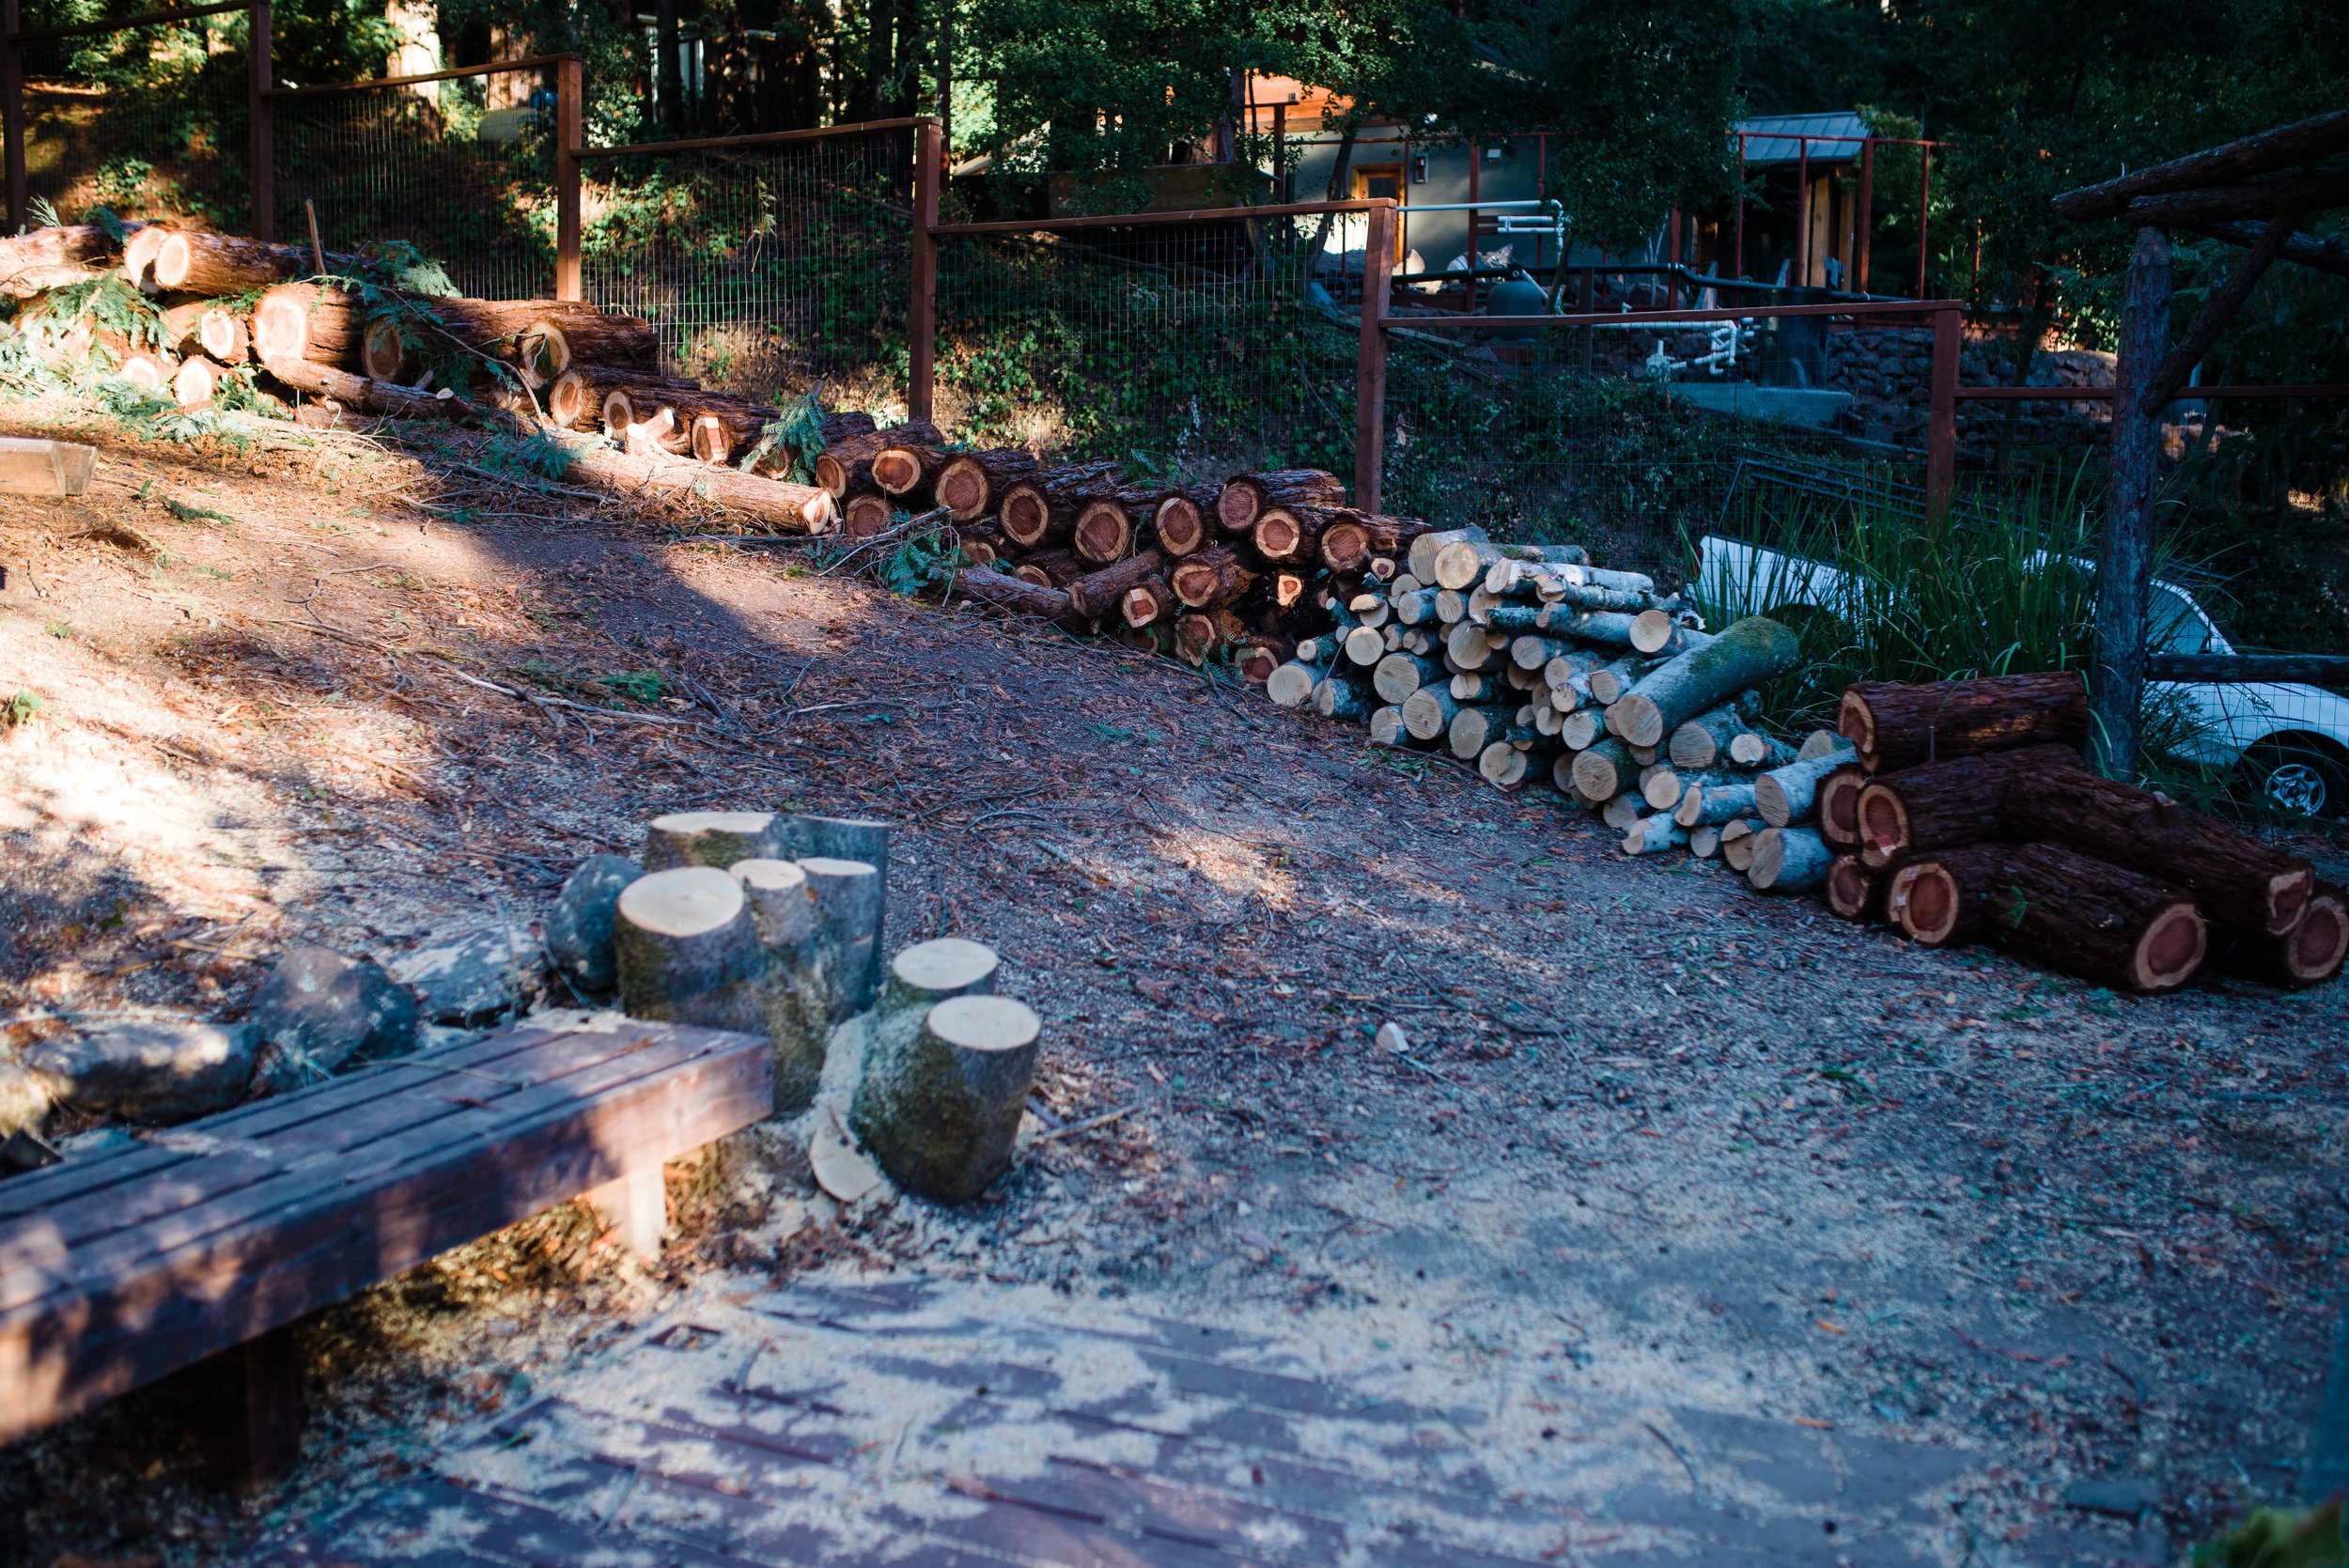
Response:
column 2299, row 778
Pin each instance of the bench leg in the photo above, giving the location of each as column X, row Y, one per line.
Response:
column 258, row 1391
column 638, row 1205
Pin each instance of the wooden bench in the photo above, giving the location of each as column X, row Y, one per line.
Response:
column 204, row 1238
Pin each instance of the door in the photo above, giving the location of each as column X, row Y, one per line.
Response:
column 1373, row 181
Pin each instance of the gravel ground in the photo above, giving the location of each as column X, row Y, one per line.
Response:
column 1693, row 1144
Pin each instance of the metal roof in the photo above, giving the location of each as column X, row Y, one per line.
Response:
column 1776, row 138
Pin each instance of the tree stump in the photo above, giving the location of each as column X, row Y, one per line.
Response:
column 684, row 951
column 716, row 839
column 850, row 901
column 941, row 1113
column 849, row 838
column 781, row 904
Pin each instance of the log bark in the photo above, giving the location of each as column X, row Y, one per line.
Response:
column 1747, row 654
column 814, row 835
column 1709, row 805
column 1938, row 898
column 1101, row 593
column 1245, row 497
column 33, row 264
column 849, row 900
column 941, row 1111
column 1291, row 536
column 1704, row 740
column 554, row 335
column 784, row 507
column 1650, row 835
column 1260, row 655
column 2309, row 954
column 1043, row 510
column 2095, row 920
column 1788, row 860
column 575, row 401
column 308, row 321
column 782, row 909
column 1942, row 804
column 1855, row 890
column 1786, row 795
column 1894, row 726
column 1210, row 578
column 192, row 263
column 684, row 950
column 1179, row 521
column 970, row 484
column 846, row 463
column 1107, row 529
column 1353, row 539
column 2237, row 880
column 1603, row 769
column 1398, row 674
column 1003, row 591
column 1589, row 626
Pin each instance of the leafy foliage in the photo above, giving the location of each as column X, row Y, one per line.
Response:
column 927, row 558
column 2280, row 1538
column 638, row 686
column 799, row 435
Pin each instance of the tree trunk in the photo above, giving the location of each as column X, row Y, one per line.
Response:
column 1398, row 674
column 1428, row 712
column 1338, row 697
column 1650, row 835
column 1938, row 898
column 1473, row 729
column 2238, row 880
column 1105, row 530
column 1752, row 651
column 222, row 333
column 684, row 950
column 1943, row 804
column 1148, row 603
column 1704, row 740
column 1589, row 626
column 2309, row 954
column 1737, row 840
column 867, row 515
column 1350, row 542
column 32, row 264
column 1210, row 578
column 552, row 336
column 940, row 1105
column 1419, row 560
column 1786, row 795
column 1292, row 684
column 1259, row 657
column 971, row 484
column 1100, row 592
column 1003, row 591
column 862, row 839
column 781, row 908
column 1709, row 805
column 1181, row 518
column 1788, row 860
column 575, row 401
column 712, row 838
column 1196, row 638
column 906, row 469
column 1043, row 510
column 2098, row 921
column 1659, row 634
column 1290, row 536
column 1245, row 496
column 1603, row 769
column 1902, row 727
column 787, row 507
column 850, row 902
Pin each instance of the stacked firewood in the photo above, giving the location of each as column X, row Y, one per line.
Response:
column 1963, row 814
column 1241, row 571
column 198, row 309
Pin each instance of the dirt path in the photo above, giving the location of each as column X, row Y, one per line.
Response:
column 1664, row 1139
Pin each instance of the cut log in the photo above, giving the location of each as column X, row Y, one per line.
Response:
column 1737, row 840
column 1704, row 740
column 1895, row 726
column 851, row 901
column 1945, row 803
column 2237, row 880
column 1003, row 591
column 2308, row 955
column 813, row 834
column 148, row 370
column 1748, row 749
column 1621, row 812
column 1609, row 682
column 1786, row 795
column 221, row 333
column 1578, row 731
column 1180, row 522
column 1660, row 632
column 1337, row 697
column 1473, row 729
column 1362, row 645
column 1386, row 727
column 971, row 484
column 1292, row 685
column 782, row 916
column 308, row 321
column 1428, row 712
column 684, row 950
column 1043, row 510
column 1788, row 860
column 1353, row 539
column 1709, row 805
column 845, row 463
column 1541, row 579
column 1288, row 536
column 1245, row 497
column 1505, row 765
column 1704, row 843
column 1938, row 898
column 1399, row 674
column 1260, row 655
column 1148, row 603
column 710, row 838
column 1745, row 654
column 907, row 470
column 1107, row 528
column 2090, row 918
column 1603, row 769
column 1210, row 578
column 1470, row 647
column 189, row 262
column 1662, row 787
column 196, row 382
column 1819, row 743
column 941, row 1110
column 1197, row 636
column 867, row 515
column 1837, row 804
column 1420, row 559
column 576, row 400
column 180, row 323
column 1855, row 890
column 552, row 336
column 1650, row 835
column 33, row 263
column 1100, row 594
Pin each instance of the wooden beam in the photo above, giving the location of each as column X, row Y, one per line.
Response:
column 2258, row 198
column 1370, row 363
column 2125, row 560
column 2217, row 310
column 34, row 465
column 2326, row 255
column 2282, row 148
column 2321, row 669
column 929, row 172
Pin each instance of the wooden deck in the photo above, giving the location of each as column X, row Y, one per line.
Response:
column 891, row 1424
column 118, row 1269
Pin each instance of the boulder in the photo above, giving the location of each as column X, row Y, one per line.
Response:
column 151, row 1069
column 25, row 1096
column 475, row 977
column 319, row 1012
column 579, row 927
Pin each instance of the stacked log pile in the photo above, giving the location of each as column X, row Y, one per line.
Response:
column 198, row 312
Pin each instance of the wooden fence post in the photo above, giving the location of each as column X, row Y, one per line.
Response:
column 2125, row 560
column 1948, row 343
column 929, row 153
column 569, row 89
column 12, row 115
column 262, row 168
column 1370, row 362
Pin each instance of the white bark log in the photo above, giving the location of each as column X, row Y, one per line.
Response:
column 1339, row 698
column 1789, row 859
column 1789, row 795
column 1711, row 804
column 1421, row 559
column 1621, row 811
column 1704, row 740
column 1428, row 713
column 1651, row 835
column 1748, row 653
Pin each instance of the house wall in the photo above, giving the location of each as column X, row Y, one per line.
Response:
column 1437, row 237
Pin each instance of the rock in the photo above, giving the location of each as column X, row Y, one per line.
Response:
column 319, row 1013
column 579, row 927
column 2122, row 1498
column 477, row 976
column 151, row 1069
column 25, row 1097
column 24, row 1150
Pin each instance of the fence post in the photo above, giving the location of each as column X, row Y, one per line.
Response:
column 570, row 87
column 1370, row 361
column 1941, row 429
column 261, row 176
column 2125, row 558
column 921, row 318
column 12, row 115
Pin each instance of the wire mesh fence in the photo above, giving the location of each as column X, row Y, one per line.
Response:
column 462, row 170
column 1188, row 351
column 145, row 122
column 768, row 265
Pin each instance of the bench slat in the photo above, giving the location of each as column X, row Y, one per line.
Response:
column 142, row 1303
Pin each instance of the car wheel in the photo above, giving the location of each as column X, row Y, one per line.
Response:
column 2299, row 779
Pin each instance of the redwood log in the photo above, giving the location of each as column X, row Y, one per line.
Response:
column 308, row 321
column 1837, row 798
column 2238, row 879
column 1211, row 578
column 188, row 261
column 1896, row 726
column 1107, row 528
column 2309, row 954
column 1043, row 510
column 33, row 264
column 561, row 333
column 1003, row 591
column 196, row 382
column 2095, row 920
column 1938, row 898
column 1245, row 496
column 1350, row 541
column 1946, row 803
column 867, row 513
column 970, row 484
column 1196, row 638
column 845, row 463
column 1181, row 518
column 576, row 399
column 1290, row 536
column 1855, row 890
column 1147, row 604
column 1100, row 592
column 1260, row 655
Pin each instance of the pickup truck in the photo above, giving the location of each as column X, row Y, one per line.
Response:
column 2290, row 742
